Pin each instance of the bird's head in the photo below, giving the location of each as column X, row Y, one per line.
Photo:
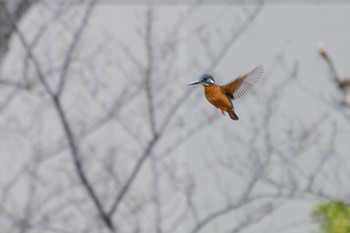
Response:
column 205, row 80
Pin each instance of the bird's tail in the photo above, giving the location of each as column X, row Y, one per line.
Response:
column 233, row 115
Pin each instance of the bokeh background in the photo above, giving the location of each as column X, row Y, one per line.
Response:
column 99, row 131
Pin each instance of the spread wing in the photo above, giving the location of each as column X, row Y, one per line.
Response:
column 243, row 84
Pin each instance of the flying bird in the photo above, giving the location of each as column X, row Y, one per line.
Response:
column 221, row 96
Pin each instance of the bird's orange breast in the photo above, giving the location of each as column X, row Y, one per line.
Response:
column 217, row 98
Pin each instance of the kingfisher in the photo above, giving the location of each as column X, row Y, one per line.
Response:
column 221, row 96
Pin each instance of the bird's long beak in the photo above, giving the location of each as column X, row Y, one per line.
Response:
column 194, row 83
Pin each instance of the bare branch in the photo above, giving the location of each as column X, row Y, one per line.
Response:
column 77, row 162
column 72, row 47
column 6, row 29
column 28, row 49
column 133, row 175
column 149, row 70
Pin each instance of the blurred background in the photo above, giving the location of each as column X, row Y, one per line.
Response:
column 99, row 131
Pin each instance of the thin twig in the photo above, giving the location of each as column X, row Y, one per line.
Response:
column 73, row 45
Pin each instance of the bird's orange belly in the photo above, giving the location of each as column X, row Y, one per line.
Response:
column 218, row 99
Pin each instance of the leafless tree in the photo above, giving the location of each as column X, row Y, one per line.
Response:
column 103, row 151
column 74, row 135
